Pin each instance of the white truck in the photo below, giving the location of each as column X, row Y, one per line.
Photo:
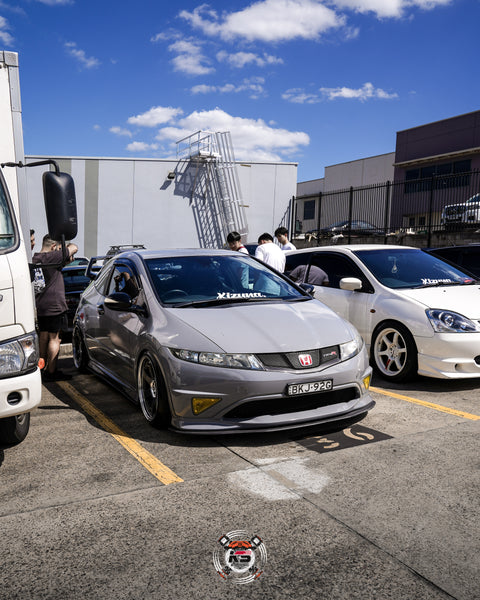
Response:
column 20, row 380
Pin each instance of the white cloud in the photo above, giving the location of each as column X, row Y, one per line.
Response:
column 121, row 131
column 388, row 8
column 253, row 86
column 5, row 36
column 190, row 58
column 203, row 89
column 55, row 2
column 267, row 20
column 157, row 115
column 366, row 92
column 141, row 147
column 88, row 63
column 253, row 139
column 240, row 59
column 299, row 96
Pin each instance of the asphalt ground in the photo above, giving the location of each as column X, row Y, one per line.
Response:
column 97, row 504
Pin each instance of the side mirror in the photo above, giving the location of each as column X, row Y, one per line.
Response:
column 309, row 288
column 60, row 205
column 119, row 301
column 350, row 283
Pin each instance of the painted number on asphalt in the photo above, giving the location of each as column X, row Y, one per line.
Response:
column 357, row 435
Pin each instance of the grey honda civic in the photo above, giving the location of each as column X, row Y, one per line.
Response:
column 214, row 341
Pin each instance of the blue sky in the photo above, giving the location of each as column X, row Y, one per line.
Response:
column 318, row 82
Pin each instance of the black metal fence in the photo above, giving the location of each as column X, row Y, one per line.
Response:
column 438, row 203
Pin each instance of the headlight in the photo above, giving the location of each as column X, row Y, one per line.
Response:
column 446, row 321
column 218, row 359
column 352, row 348
column 19, row 355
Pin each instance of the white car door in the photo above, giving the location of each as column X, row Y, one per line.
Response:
column 351, row 305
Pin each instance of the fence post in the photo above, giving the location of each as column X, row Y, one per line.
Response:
column 319, row 217
column 350, row 212
column 292, row 218
column 430, row 206
column 388, row 202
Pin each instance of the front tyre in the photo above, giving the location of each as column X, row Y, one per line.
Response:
column 393, row 352
column 80, row 355
column 152, row 393
column 13, row 430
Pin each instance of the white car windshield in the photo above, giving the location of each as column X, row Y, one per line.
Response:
column 210, row 280
column 410, row 268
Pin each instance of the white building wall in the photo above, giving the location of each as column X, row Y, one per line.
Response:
column 124, row 201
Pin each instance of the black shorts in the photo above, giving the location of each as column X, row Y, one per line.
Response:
column 52, row 323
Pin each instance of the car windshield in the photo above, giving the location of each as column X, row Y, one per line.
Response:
column 410, row 268
column 212, row 280
column 7, row 231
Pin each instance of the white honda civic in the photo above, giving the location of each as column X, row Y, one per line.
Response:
column 416, row 313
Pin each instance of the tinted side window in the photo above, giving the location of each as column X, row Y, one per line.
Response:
column 124, row 280
column 337, row 266
column 296, row 259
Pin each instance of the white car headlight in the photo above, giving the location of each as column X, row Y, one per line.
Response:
column 447, row 321
column 19, row 355
column 219, row 359
column 352, row 348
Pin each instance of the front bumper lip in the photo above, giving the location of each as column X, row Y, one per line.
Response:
column 449, row 355
column 299, row 420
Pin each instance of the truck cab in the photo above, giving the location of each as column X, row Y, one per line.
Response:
column 20, row 379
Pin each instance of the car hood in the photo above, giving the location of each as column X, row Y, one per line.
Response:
column 270, row 327
column 463, row 299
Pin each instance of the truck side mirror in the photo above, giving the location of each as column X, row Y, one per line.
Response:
column 60, row 205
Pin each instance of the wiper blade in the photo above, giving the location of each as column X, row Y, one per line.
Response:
column 226, row 301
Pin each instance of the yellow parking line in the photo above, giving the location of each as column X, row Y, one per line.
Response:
column 445, row 409
column 152, row 464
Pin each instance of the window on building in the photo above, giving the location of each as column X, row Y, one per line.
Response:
column 308, row 210
column 442, row 175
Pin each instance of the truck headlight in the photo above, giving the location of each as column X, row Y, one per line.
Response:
column 19, row 355
column 447, row 321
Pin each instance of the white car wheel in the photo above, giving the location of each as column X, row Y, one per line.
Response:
column 394, row 352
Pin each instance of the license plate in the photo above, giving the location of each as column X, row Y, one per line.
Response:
column 294, row 389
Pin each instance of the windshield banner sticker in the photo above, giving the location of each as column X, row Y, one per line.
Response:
column 428, row 281
column 228, row 295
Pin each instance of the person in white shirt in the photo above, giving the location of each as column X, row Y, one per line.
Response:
column 270, row 253
column 281, row 233
column 234, row 241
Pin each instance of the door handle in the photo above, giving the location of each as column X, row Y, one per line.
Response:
column 100, row 309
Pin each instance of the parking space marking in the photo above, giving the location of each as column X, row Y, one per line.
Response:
column 439, row 407
column 152, row 464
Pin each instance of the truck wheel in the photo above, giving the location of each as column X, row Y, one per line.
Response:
column 13, row 430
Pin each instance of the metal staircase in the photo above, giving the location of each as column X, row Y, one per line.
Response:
column 215, row 188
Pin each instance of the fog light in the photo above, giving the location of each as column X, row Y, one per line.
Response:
column 201, row 404
column 366, row 381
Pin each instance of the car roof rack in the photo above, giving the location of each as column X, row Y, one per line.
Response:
column 123, row 247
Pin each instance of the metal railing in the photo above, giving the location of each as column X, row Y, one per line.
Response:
column 438, row 203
